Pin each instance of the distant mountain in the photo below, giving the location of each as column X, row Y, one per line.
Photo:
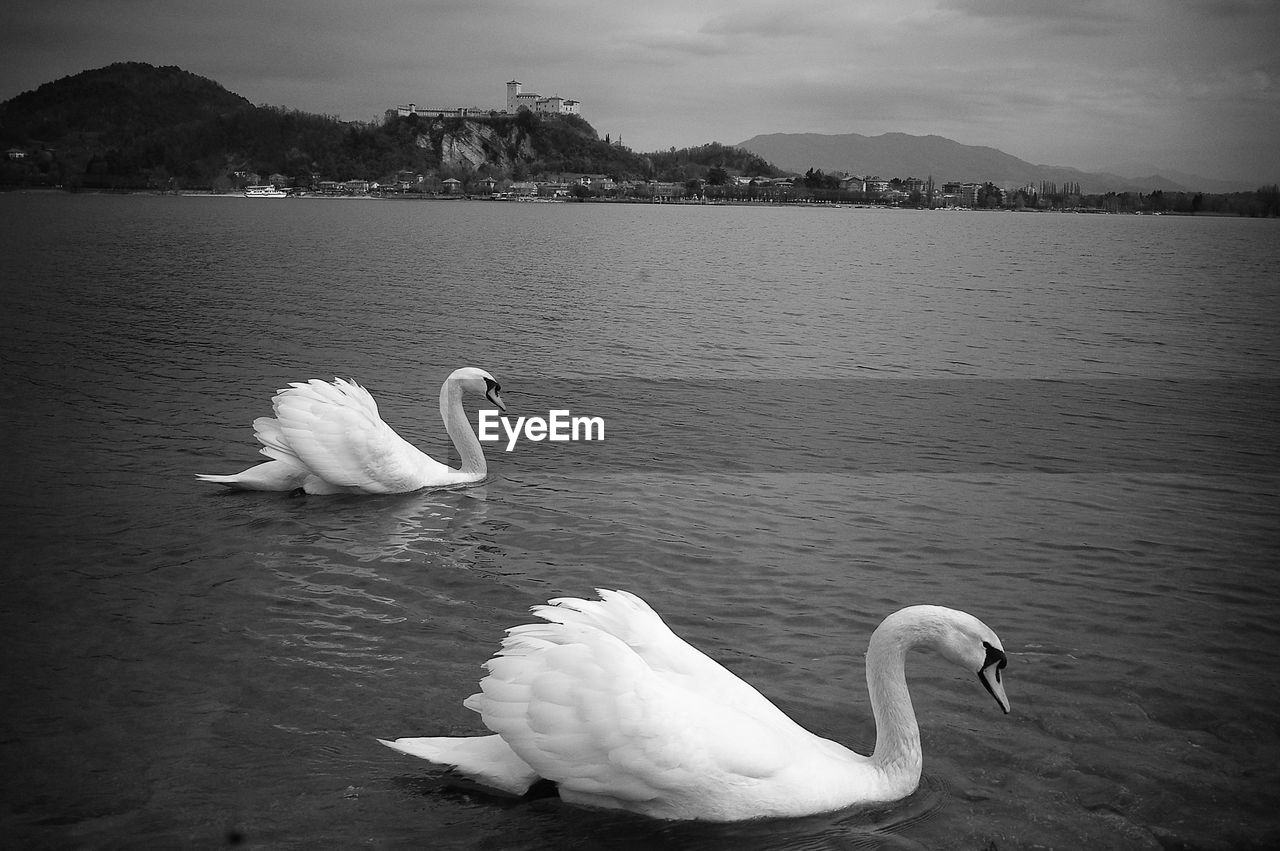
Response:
column 901, row 155
column 1136, row 172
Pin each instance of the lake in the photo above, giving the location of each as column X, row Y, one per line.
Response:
column 1063, row 424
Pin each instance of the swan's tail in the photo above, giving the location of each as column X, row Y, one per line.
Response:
column 268, row 476
column 229, row 481
column 487, row 759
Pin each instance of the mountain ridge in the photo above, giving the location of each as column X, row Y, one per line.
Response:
column 904, row 155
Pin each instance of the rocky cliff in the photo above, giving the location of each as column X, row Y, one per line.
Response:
column 473, row 145
column 525, row 144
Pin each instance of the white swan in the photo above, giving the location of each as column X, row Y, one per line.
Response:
column 328, row 438
column 609, row 704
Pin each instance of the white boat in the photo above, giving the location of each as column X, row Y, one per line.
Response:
column 264, row 192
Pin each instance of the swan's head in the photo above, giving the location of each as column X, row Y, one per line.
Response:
column 958, row 636
column 481, row 383
column 973, row 645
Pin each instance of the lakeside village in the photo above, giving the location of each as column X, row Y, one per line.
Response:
column 172, row 132
column 722, row 188
column 466, row 177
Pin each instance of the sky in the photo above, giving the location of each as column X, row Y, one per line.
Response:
column 1132, row 86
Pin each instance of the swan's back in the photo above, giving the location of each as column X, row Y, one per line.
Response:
column 607, row 702
column 335, row 432
column 632, row 621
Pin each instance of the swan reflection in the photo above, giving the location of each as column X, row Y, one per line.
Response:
column 342, row 566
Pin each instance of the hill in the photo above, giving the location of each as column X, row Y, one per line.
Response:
column 712, row 162
column 902, row 155
column 133, row 125
column 113, row 104
column 111, row 122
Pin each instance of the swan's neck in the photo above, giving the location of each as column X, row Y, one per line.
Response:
column 464, row 439
column 897, row 754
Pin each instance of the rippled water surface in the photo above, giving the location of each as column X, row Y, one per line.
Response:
column 1062, row 424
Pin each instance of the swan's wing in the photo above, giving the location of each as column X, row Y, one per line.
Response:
column 267, row 431
column 631, row 620
column 335, row 431
column 585, row 710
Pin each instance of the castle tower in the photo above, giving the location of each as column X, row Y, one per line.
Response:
column 513, row 91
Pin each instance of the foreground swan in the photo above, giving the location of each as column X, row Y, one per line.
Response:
column 328, row 438
column 608, row 703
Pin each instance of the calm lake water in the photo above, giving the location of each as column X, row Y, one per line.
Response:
column 1062, row 424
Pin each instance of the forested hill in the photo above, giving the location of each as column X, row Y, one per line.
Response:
column 115, row 104
column 132, row 125
column 115, row 125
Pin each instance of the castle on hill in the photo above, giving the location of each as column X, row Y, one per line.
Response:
column 516, row 101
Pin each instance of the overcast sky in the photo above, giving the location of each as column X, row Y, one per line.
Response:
column 1189, row 85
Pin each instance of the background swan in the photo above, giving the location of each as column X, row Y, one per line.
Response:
column 607, row 702
column 328, row 438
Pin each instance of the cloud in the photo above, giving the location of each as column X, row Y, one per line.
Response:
column 1071, row 15
column 657, row 46
column 812, row 21
column 1073, row 82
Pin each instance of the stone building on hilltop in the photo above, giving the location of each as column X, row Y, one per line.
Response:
column 516, row 101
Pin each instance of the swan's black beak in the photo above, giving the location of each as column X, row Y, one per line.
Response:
column 491, row 389
column 989, row 673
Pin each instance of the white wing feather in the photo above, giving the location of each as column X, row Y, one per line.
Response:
column 632, row 621
column 334, row 430
column 584, row 707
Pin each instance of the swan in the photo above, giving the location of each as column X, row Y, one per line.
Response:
column 604, row 700
column 327, row 437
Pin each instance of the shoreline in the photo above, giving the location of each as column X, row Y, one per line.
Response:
column 799, row 203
